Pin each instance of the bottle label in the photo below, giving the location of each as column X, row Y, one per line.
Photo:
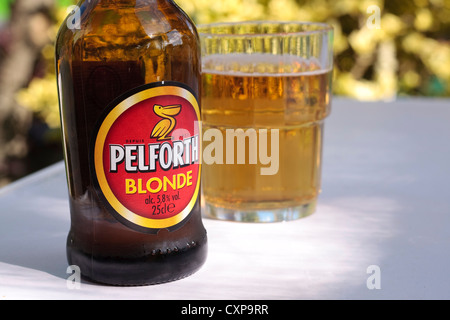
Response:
column 145, row 157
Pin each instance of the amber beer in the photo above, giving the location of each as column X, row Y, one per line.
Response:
column 256, row 91
column 128, row 80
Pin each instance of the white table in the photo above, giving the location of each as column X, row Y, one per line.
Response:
column 385, row 203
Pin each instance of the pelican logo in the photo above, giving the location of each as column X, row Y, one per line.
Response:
column 167, row 124
column 149, row 181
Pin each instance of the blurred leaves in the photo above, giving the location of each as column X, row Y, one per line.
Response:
column 408, row 55
column 41, row 97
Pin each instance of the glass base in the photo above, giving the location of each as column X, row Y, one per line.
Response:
column 270, row 215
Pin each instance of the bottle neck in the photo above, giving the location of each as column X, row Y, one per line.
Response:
column 127, row 2
column 130, row 2
column 121, row 3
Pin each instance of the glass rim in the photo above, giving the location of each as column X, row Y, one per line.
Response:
column 324, row 28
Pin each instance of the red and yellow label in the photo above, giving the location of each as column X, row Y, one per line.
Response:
column 146, row 157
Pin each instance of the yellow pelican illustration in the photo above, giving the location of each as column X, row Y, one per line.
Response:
column 165, row 126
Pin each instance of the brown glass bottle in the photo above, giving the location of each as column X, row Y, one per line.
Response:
column 121, row 48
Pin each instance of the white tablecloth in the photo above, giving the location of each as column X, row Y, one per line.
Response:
column 381, row 229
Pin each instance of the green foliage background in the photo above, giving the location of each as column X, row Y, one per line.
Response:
column 409, row 55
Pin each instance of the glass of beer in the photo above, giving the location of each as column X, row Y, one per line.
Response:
column 266, row 90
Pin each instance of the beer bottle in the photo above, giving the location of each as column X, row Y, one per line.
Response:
column 128, row 81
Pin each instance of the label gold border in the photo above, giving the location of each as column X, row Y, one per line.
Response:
column 107, row 123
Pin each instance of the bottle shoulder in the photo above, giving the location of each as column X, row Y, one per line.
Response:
column 130, row 27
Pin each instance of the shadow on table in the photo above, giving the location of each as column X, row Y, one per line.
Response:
column 35, row 221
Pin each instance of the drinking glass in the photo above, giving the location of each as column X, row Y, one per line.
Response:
column 266, row 91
